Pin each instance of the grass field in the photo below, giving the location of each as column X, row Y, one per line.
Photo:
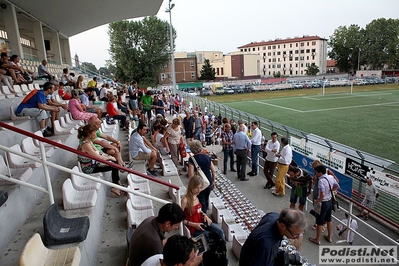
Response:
column 367, row 119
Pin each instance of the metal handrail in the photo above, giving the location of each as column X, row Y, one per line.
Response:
column 45, row 163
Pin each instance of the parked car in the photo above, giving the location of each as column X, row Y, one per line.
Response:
column 239, row 90
column 315, row 84
column 297, row 86
column 219, row 91
column 205, row 92
column 228, row 90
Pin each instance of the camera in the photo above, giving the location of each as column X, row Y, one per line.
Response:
column 288, row 255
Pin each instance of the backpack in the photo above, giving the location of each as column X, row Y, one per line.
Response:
column 216, row 253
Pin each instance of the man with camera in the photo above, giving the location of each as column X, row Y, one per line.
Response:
column 262, row 246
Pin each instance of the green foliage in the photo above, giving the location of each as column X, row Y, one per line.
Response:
column 276, row 74
column 139, row 49
column 312, row 70
column 377, row 45
column 207, row 71
column 89, row 67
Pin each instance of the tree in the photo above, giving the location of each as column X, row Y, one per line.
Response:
column 89, row 67
column 139, row 49
column 345, row 44
column 277, row 74
column 207, row 71
column 312, row 70
column 381, row 43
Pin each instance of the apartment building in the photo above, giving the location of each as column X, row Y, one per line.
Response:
column 290, row 56
column 185, row 69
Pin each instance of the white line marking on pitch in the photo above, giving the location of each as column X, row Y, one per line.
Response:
column 348, row 107
column 282, row 107
column 321, row 98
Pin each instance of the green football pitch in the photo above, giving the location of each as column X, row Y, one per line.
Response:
column 367, row 119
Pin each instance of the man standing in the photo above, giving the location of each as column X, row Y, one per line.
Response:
column 326, row 184
column 242, row 146
column 198, row 125
column 371, row 194
column 283, row 162
column 42, row 71
column 134, row 106
column 35, row 104
column 262, row 245
column 188, row 124
column 140, row 151
column 256, row 140
column 301, row 186
column 159, row 106
column 271, row 148
column 148, row 238
column 146, row 103
column 171, row 104
column 344, row 231
column 227, row 137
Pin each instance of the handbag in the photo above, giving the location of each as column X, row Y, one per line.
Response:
column 205, row 179
column 335, row 205
column 182, row 148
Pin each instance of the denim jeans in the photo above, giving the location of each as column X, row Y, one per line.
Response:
column 198, row 132
column 227, row 154
column 255, row 149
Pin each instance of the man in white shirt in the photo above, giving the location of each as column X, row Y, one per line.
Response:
column 343, row 229
column 178, row 250
column 256, row 140
column 283, row 162
column 271, row 148
column 140, row 151
column 240, row 122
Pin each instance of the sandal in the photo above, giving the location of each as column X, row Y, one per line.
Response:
column 117, row 193
column 329, row 240
column 313, row 240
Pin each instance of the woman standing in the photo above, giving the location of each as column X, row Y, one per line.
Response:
column 90, row 166
column 78, row 110
column 173, row 135
column 196, row 220
column 204, row 162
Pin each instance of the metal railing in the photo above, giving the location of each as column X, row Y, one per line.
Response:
column 45, row 163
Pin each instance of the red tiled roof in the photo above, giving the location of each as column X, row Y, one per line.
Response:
column 300, row 39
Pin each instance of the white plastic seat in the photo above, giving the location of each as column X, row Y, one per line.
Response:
column 58, row 130
column 36, row 254
column 135, row 217
column 37, row 86
column 218, row 214
column 81, row 184
column 218, row 202
column 75, row 199
column 64, row 124
column 15, row 117
column 237, row 245
column 18, row 91
column 2, row 96
column 25, row 89
column 17, row 161
column 233, row 229
column 140, row 187
column 69, row 120
column 31, row 87
column 137, row 179
column 29, row 147
column 169, row 168
column 7, row 92
column 22, row 174
column 173, row 193
column 139, row 203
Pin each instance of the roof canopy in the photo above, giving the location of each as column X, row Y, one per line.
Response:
column 75, row 16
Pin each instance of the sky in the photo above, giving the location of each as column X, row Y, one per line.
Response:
column 224, row 25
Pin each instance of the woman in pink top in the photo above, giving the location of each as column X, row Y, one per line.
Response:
column 76, row 109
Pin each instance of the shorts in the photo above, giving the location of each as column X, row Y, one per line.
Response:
column 133, row 104
column 294, row 198
column 37, row 113
column 142, row 156
column 325, row 213
column 368, row 203
column 148, row 112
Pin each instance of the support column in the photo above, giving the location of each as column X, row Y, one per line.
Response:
column 12, row 29
column 39, row 40
column 56, row 47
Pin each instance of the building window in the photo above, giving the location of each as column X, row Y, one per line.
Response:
column 269, row 47
column 296, row 65
column 264, row 47
column 274, row 47
column 302, row 51
column 296, row 51
column 264, row 54
column 217, row 71
column 192, row 75
column 253, row 49
column 269, row 53
column 270, row 66
column 307, row 51
column 296, row 45
column 258, row 48
column 296, row 72
column 278, row 53
column 284, row 46
column 301, row 64
column 296, row 58
column 301, row 58
column 307, row 44
column 270, row 60
column 302, row 44
column 313, row 50
column 278, row 46
column 278, row 65
column 307, row 64
column 291, row 53
column 192, row 64
column 274, row 59
column 222, row 71
column 273, row 66
column 307, row 58
column 290, row 45
column 313, row 43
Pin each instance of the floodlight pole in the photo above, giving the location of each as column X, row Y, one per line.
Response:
column 172, row 55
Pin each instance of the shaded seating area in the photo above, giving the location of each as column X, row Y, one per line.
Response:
column 36, row 254
column 59, row 230
column 3, row 197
